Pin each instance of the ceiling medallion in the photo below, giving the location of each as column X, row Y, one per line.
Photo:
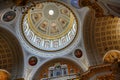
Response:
column 9, row 16
column 78, row 53
column 49, row 26
column 33, row 61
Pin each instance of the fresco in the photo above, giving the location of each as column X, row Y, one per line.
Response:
column 78, row 53
column 33, row 61
column 9, row 16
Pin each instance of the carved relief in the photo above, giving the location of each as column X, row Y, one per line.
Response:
column 43, row 26
column 39, row 6
column 55, row 43
column 54, row 29
column 47, row 44
column 36, row 17
column 65, row 11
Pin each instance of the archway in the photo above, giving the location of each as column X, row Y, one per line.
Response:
column 11, row 55
column 58, row 68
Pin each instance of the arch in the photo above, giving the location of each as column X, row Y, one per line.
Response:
column 52, row 63
column 4, row 75
column 11, row 55
column 111, row 55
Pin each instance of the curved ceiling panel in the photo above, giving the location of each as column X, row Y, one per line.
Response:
column 11, row 57
column 114, row 8
column 55, row 68
column 103, row 36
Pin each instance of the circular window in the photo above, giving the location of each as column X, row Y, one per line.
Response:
column 9, row 16
column 49, row 26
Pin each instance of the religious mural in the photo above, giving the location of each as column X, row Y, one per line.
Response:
column 9, row 16
column 58, row 69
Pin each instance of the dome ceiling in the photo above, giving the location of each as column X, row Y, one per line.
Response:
column 49, row 26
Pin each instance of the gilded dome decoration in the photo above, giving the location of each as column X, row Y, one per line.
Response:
column 49, row 26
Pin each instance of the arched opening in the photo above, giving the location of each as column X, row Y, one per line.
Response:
column 58, row 68
column 11, row 55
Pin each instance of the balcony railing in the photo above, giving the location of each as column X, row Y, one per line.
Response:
column 67, row 77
